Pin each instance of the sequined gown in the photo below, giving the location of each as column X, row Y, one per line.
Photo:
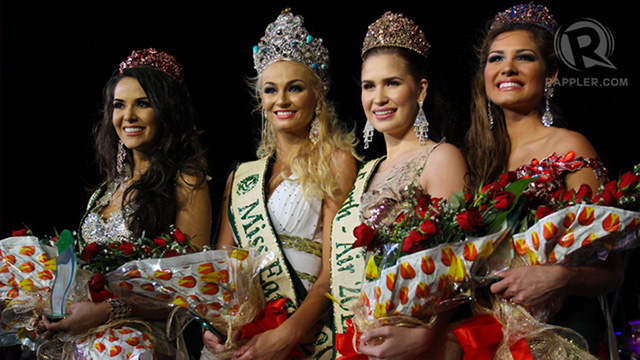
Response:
column 581, row 314
column 95, row 228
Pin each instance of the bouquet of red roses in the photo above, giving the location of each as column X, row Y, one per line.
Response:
column 421, row 263
column 572, row 228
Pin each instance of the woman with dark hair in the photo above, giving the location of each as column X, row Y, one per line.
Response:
column 394, row 87
column 155, row 174
column 511, row 129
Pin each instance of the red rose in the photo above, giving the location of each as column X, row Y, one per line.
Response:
column 490, row 189
column 435, row 204
column 584, row 192
column 400, row 217
column 363, row 234
column 147, row 250
column 628, row 181
column 21, row 232
column 126, row 247
column 170, row 253
column 89, row 251
column 467, row 197
column 97, row 282
column 160, row 242
column 611, row 186
column 179, row 236
column 503, row 200
column 97, row 290
column 543, row 210
column 429, row 228
column 568, row 195
column 470, row 220
column 413, row 239
column 423, row 202
column 507, row 178
column 607, row 198
column 557, row 196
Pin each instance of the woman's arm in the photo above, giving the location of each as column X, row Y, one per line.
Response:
column 442, row 176
column 194, row 209
column 277, row 343
column 535, row 285
column 444, row 172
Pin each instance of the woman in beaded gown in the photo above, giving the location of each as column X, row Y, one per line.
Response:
column 393, row 88
column 511, row 131
column 284, row 202
column 148, row 149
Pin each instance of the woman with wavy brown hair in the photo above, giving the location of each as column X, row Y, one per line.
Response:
column 512, row 130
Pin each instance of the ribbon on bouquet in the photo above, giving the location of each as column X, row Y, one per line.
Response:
column 509, row 331
column 272, row 316
column 346, row 343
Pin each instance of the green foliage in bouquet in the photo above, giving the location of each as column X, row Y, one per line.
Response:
column 107, row 256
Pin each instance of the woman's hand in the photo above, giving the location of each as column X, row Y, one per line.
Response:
column 212, row 342
column 532, row 285
column 275, row 344
column 82, row 316
column 394, row 342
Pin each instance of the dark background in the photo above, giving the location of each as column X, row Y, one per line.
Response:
column 56, row 56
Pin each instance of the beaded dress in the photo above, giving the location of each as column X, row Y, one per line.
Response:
column 549, row 173
column 382, row 201
column 95, row 228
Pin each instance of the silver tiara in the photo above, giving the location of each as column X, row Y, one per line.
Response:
column 287, row 39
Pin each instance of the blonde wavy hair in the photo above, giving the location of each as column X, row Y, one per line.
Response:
column 309, row 164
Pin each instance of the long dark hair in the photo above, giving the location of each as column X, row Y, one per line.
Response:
column 439, row 113
column 488, row 150
column 175, row 151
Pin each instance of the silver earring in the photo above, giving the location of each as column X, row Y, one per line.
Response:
column 314, row 132
column 489, row 113
column 547, row 117
column 421, row 126
column 121, row 157
column 368, row 134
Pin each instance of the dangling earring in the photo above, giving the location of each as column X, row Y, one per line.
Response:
column 489, row 113
column 547, row 117
column 314, row 132
column 368, row 134
column 264, row 126
column 121, row 157
column 421, row 125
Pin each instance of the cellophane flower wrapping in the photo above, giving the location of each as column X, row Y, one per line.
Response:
column 573, row 228
column 422, row 263
column 27, row 270
column 220, row 286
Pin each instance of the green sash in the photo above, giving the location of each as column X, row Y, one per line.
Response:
column 249, row 219
column 347, row 264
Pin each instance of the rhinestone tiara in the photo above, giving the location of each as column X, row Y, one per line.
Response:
column 395, row 30
column 287, row 39
column 529, row 14
column 154, row 59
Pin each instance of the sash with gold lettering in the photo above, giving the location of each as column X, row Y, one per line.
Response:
column 347, row 264
column 249, row 219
